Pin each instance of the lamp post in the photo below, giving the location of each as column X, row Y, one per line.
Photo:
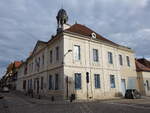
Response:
column 67, row 78
column 87, row 81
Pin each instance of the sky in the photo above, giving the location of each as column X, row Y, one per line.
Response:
column 23, row 22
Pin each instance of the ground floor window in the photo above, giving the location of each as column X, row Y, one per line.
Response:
column 112, row 81
column 147, row 84
column 24, row 84
column 34, row 84
column 77, row 80
column 30, row 83
column 50, row 82
column 97, row 80
column 42, row 82
column 56, row 82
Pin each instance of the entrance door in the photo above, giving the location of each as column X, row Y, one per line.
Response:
column 123, row 86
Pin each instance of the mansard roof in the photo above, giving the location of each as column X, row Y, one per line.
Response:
column 83, row 30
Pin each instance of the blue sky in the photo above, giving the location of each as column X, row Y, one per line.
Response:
column 23, row 22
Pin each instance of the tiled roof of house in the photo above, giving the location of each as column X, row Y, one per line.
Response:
column 144, row 61
column 141, row 67
column 17, row 64
column 83, row 30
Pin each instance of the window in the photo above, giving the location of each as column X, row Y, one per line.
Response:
column 57, row 53
column 120, row 60
column 97, row 80
column 77, row 80
column 56, row 82
column 24, row 84
column 128, row 61
column 110, row 58
column 39, row 62
column 34, row 83
column 50, row 82
column 147, row 84
column 77, row 52
column 42, row 82
column 95, row 55
column 43, row 59
column 51, row 56
column 112, row 81
column 30, row 83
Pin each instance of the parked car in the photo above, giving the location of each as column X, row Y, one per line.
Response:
column 132, row 94
column 5, row 89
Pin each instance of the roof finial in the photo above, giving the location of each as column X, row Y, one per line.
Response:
column 62, row 4
column 76, row 22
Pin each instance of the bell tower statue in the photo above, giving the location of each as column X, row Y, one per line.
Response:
column 62, row 19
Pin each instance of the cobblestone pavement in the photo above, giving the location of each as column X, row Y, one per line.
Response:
column 13, row 103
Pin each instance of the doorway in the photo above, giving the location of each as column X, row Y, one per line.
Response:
column 123, row 86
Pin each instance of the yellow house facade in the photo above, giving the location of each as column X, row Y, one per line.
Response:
column 143, row 75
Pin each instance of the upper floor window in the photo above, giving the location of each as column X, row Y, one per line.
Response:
column 51, row 56
column 110, row 58
column 43, row 59
column 39, row 62
column 57, row 53
column 76, row 52
column 120, row 60
column 112, row 81
column 97, row 80
column 128, row 61
column 77, row 80
column 95, row 55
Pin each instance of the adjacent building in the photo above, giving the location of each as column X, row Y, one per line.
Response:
column 10, row 77
column 143, row 75
column 79, row 61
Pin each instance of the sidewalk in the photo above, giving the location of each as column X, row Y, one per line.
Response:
column 42, row 100
column 3, row 106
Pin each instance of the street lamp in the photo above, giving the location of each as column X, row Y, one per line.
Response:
column 67, row 78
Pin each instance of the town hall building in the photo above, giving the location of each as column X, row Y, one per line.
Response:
column 79, row 61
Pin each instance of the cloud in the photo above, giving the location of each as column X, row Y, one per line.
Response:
column 138, row 40
column 23, row 22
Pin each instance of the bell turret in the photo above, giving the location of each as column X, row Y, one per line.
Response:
column 62, row 19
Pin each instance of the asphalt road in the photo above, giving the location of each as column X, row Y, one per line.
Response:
column 13, row 103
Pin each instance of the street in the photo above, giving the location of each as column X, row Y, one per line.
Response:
column 14, row 103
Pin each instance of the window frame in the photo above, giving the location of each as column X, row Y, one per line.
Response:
column 42, row 82
column 78, row 84
column 95, row 55
column 97, row 81
column 110, row 57
column 128, row 61
column 120, row 60
column 57, row 81
column 112, row 81
column 57, row 53
column 51, row 56
column 50, row 82
column 77, row 55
